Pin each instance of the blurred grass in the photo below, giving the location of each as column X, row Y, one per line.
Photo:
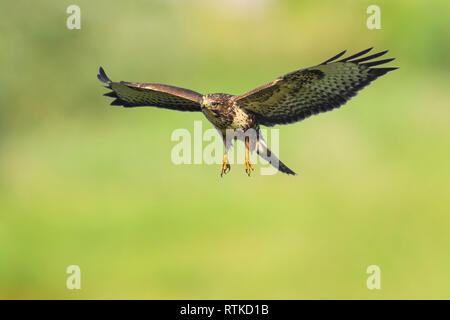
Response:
column 85, row 184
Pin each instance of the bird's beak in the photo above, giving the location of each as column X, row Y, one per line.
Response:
column 205, row 105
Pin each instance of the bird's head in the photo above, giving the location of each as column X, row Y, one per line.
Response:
column 211, row 102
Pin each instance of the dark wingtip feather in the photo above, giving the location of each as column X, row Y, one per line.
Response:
column 375, row 71
column 376, row 63
column 372, row 56
column 116, row 102
column 102, row 76
column 381, row 71
column 335, row 57
column 356, row 55
column 111, row 94
column 351, row 59
column 120, row 102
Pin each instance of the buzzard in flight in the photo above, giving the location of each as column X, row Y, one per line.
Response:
column 289, row 98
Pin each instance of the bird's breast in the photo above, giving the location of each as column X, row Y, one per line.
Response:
column 242, row 120
column 230, row 118
column 220, row 119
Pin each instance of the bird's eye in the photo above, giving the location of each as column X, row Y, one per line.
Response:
column 214, row 103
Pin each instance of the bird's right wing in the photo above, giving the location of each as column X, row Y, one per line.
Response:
column 300, row 94
column 133, row 94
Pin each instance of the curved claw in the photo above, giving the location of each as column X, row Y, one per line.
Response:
column 248, row 167
column 225, row 168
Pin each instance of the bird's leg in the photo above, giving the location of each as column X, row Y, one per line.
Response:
column 248, row 165
column 225, row 168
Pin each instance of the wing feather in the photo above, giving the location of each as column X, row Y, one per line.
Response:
column 356, row 55
column 300, row 94
column 133, row 94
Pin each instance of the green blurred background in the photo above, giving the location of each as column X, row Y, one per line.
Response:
column 87, row 184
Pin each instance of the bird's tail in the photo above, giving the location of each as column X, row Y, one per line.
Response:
column 264, row 152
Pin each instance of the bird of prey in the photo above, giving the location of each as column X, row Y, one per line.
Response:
column 289, row 98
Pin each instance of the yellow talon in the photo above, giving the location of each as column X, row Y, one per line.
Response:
column 225, row 168
column 248, row 167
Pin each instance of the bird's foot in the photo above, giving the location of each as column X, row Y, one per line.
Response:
column 225, row 168
column 248, row 167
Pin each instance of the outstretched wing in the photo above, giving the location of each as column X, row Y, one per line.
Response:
column 300, row 94
column 132, row 94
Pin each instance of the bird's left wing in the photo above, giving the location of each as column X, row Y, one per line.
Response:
column 300, row 94
column 132, row 94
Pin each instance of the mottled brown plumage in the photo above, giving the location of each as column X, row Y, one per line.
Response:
column 289, row 98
